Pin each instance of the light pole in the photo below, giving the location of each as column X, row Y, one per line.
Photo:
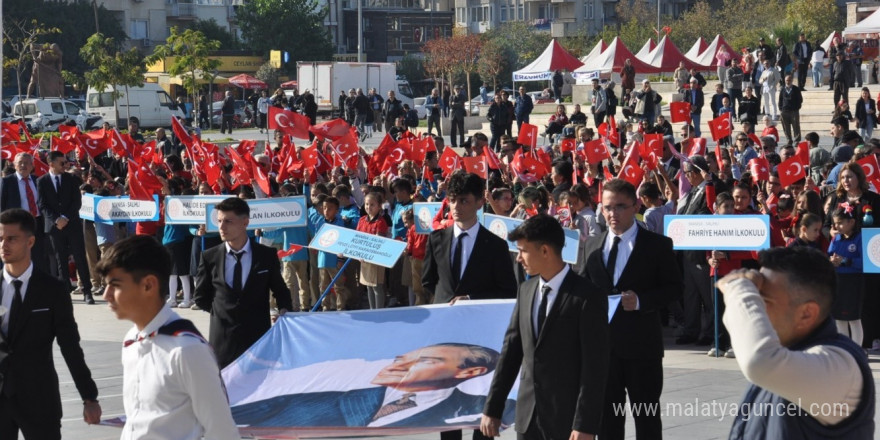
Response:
column 658, row 21
column 360, row 31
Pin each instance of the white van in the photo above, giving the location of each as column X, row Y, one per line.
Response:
column 149, row 103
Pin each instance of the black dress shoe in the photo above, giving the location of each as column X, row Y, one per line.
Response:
column 705, row 341
column 89, row 299
column 682, row 340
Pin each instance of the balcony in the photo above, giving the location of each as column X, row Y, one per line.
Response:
column 181, row 11
column 563, row 27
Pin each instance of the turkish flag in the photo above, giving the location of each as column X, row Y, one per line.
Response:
column 141, row 181
column 791, row 171
column 528, row 135
column 345, row 147
column 679, row 112
column 62, row 145
column 211, row 166
column 476, row 165
column 261, row 177
column 630, row 170
column 803, row 153
column 377, row 159
column 180, row 132
column 567, row 145
column 418, row 150
column 527, row 167
column 721, row 127
column 397, row 155
column 290, row 123
column 654, row 142
column 310, row 156
column 492, row 160
column 95, row 142
column 613, row 135
column 40, row 167
column 757, row 141
column 449, row 161
column 432, row 146
column 648, row 154
column 294, row 248
column 246, row 147
column 694, row 146
column 596, row 151
column 872, row 170
column 11, row 131
column 147, row 152
column 333, row 129
column 760, row 169
column 68, row 133
column 718, row 158
column 240, row 168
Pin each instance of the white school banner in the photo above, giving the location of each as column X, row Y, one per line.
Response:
column 118, row 209
column 188, row 210
column 284, row 212
column 718, row 232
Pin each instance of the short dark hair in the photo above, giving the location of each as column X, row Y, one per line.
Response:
column 541, row 229
column 812, row 137
column 620, row 186
column 810, row 275
column 20, row 217
column 841, row 121
column 650, row 190
column 464, row 183
column 332, row 201
column 54, row 155
column 138, row 256
column 478, row 356
column 721, row 198
column 563, row 168
column 402, row 184
column 235, row 205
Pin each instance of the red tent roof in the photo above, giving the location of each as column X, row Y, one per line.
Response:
column 646, row 49
column 667, row 57
column 612, row 59
column 553, row 58
column 699, row 47
column 707, row 58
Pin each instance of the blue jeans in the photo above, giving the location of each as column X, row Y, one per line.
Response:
column 695, row 120
column 817, row 76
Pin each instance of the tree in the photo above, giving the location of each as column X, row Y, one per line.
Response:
column 492, row 62
column 696, row 22
column 113, row 67
column 467, row 56
column 268, row 74
column 411, row 67
column 817, row 18
column 192, row 56
column 295, row 26
column 213, row 31
column 20, row 36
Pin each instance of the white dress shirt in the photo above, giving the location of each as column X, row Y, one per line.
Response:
column 9, row 292
column 554, row 284
column 467, row 244
column 246, row 260
column 624, row 249
column 423, row 399
column 172, row 387
column 55, row 179
column 22, row 192
column 820, row 377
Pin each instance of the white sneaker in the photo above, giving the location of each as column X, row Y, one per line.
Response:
column 730, row 354
column 172, row 302
column 713, row 352
column 185, row 304
column 195, row 307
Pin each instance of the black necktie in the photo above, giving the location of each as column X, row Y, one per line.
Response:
column 457, row 257
column 542, row 309
column 15, row 308
column 236, row 273
column 612, row 258
column 57, row 184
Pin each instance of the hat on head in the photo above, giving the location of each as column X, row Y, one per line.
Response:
column 843, row 153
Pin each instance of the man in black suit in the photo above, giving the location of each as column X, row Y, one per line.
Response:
column 19, row 190
column 698, row 306
column 417, row 389
column 59, row 202
column 233, row 283
column 36, row 311
column 558, row 335
column 640, row 266
column 466, row 261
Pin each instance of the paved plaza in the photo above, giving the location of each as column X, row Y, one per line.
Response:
column 693, row 382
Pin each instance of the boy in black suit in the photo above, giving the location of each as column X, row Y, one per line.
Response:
column 36, row 310
column 233, row 284
column 558, row 335
column 640, row 266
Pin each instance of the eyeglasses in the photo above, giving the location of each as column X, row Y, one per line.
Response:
column 617, row 208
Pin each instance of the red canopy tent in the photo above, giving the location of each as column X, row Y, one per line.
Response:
column 246, row 81
column 554, row 57
column 612, row 59
column 597, row 50
column 667, row 57
column 707, row 58
column 699, row 47
column 646, row 49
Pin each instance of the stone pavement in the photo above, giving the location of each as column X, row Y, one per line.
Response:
column 692, row 381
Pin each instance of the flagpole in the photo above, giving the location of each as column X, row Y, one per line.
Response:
column 330, row 286
column 715, row 292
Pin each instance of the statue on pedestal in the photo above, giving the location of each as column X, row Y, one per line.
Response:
column 46, row 73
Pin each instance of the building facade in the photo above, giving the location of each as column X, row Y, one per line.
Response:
column 394, row 28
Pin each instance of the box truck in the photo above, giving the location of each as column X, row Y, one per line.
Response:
column 325, row 79
column 149, row 103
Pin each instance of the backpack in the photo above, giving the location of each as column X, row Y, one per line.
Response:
column 411, row 119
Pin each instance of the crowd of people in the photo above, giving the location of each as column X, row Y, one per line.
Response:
column 609, row 182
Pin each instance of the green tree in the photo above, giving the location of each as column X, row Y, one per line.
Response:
column 192, row 57
column 411, row 67
column 114, row 67
column 268, row 74
column 492, row 62
column 817, row 18
column 213, row 31
column 698, row 21
column 20, row 36
column 520, row 43
column 295, row 26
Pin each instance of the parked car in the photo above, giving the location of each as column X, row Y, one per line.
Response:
column 46, row 114
column 419, row 105
column 242, row 112
column 148, row 102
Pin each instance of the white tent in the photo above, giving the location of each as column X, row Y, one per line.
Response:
column 827, row 43
column 554, row 57
column 597, row 50
column 870, row 25
column 642, row 54
column 707, row 58
column 695, row 50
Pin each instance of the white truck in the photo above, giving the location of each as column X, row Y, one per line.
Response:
column 325, row 79
column 149, row 103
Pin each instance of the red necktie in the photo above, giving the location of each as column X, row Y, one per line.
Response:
column 32, row 202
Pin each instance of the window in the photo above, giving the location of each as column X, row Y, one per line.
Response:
column 104, row 99
column 521, row 12
column 589, row 5
column 72, row 109
column 139, row 30
column 395, row 24
column 542, row 11
column 487, row 13
column 57, row 108
column 368, row 25
column 164, row 99
column 503, row 13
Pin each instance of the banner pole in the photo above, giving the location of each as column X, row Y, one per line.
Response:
column 330, row 286
column 715, row 293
